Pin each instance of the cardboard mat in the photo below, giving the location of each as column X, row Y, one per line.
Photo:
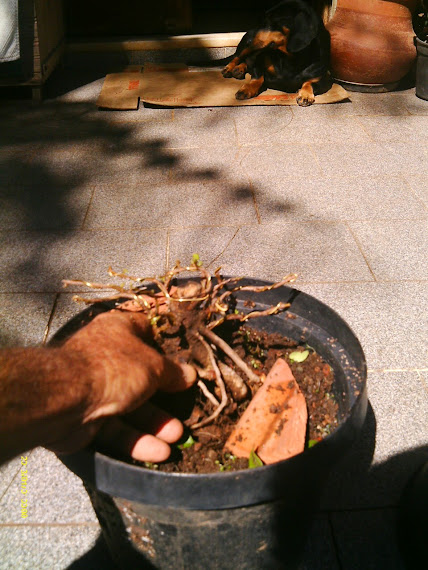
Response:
column 174, row 85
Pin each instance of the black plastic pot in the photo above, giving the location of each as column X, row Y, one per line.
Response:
column 421, row 69
column 250, row 519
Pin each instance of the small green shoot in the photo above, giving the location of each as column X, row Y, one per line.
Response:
column 312, row 442
column 188, row 443
column 254, row 460
column 298, row 356
column 195, row 260
column 150, row 465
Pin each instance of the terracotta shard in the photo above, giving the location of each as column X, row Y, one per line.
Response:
column 274, row 424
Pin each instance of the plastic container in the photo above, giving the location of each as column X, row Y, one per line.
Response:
column 250, row 519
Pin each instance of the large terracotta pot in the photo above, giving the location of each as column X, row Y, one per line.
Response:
column 372, row 42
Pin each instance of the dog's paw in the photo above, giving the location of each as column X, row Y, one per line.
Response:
column 305, row 100
column 244, row 94
column 227, row 71
column 239, row 71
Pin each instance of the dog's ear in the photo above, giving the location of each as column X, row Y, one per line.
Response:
column 303, row 31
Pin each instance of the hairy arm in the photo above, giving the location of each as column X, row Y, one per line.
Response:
column 44, row 393
column 61, row 397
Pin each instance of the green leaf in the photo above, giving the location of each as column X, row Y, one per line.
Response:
column 298, row 356
column 312, row 442
column 254, row 460
column 188, row 443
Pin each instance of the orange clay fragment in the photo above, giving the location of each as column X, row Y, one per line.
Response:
column 274, row 424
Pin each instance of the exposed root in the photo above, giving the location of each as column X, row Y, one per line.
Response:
column 233, row 381
column 220, row 343
column 220, row 384
column 208, row 394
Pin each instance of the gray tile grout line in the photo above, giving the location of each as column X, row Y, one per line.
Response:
column 422, row 379
column 359, row 246
column 225, row 247
column 16, row 475
column 407, row 183
column 83, row 224
column 168, row 250
column 51, row 316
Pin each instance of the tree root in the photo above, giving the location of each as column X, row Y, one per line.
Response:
column 220, row 384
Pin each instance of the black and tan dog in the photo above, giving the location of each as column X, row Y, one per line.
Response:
column 290, row 53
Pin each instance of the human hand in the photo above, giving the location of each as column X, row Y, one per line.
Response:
column 125, row 373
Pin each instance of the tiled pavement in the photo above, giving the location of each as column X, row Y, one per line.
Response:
column 337, row 194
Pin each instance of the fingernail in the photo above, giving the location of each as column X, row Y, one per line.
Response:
column 189, row 373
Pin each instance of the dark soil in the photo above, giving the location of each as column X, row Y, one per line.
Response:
column 260, row 350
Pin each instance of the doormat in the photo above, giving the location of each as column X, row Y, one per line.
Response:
column 175, row 85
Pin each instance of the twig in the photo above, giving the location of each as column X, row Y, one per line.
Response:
column 212, row 337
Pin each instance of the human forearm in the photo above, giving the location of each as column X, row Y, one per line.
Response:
column 61, row 397
column 44, row 392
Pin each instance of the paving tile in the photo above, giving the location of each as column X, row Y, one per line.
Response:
column 394, row 251
column 114, row 159
column 203, row 203
column 24, row 318
column 54, row 494
column 386, row 317
column 208, row 243
column 395, row 128
column 411, row 156
column 417, row 106
column 400, row 402
column 53, row 204
column 279, row 126
column 315, row 251
column 392, row 104
column 40, row 547
column 262, row 125
column 375, row 159
column 66, row 308
column 221, row 163
column 367, row 540
column 423, row 375
column 211, row 127
column 38, row 261
column 289, row 161
column 373, row 473
column 419, row 184
column 337, row 198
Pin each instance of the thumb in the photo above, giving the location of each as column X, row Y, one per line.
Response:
column 176, row 376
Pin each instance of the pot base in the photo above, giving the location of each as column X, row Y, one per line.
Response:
column 368, row 87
